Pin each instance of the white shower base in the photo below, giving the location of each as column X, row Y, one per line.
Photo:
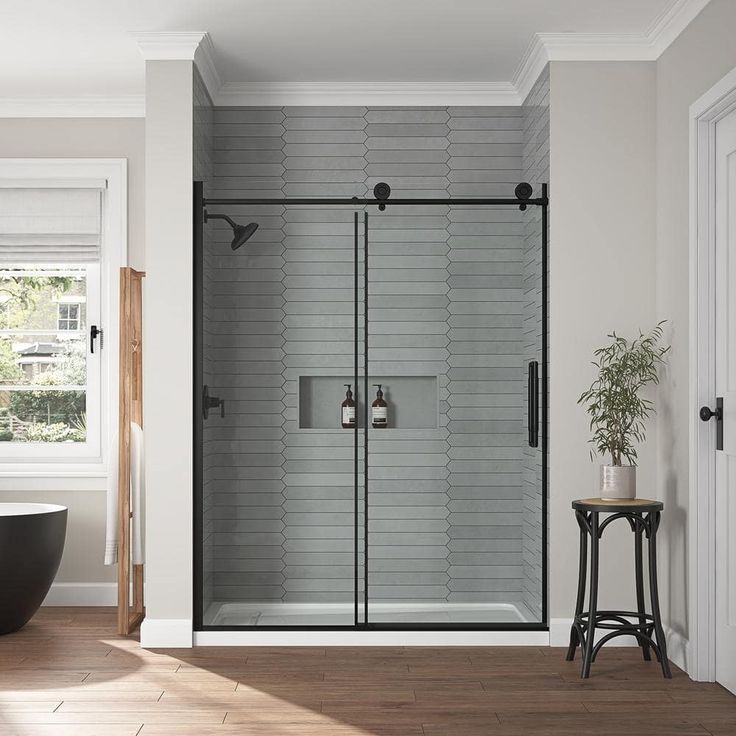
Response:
column 342, row 614
column 334, row 615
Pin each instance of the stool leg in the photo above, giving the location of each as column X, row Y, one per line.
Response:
column 582, row 570
column 653, row 518
column 593, row 604
column 640, row 584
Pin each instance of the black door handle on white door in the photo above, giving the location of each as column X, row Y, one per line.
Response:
column 706, row 414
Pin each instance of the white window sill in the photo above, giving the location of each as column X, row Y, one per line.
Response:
column 53, row 476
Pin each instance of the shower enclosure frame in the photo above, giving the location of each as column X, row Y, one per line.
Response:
column 199, row 208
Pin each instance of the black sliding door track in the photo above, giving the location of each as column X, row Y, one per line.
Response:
column 200, row 202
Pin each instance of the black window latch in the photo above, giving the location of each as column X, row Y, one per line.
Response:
column 94, row 333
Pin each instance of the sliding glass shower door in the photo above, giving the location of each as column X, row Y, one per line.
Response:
column 445, row 473
column 454, row 495
column 279, row 470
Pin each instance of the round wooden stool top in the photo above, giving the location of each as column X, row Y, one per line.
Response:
column 617, row 505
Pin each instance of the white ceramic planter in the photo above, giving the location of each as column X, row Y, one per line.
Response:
column 618, row 482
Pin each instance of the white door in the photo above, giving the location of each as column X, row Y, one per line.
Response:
column 725, row 218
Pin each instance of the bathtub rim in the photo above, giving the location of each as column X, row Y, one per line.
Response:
column 11, row 509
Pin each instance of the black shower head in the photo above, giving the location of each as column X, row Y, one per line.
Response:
column 242, row 233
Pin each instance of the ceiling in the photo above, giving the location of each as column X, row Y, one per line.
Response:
column 84, row 48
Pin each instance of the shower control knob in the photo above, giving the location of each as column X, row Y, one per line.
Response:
column 211, row 402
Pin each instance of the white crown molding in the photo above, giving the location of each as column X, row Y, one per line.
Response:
column 647, row 46
column 367, row 93
column 197, row 46
column 168, row 45
column 672, row 22
column 128, row 106
column 204, row 59
column 543, row 48
column 532, row 64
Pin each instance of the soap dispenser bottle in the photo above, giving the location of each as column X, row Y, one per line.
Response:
column 348, row 410
column 379, row 410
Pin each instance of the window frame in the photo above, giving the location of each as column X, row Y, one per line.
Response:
column 96, row 456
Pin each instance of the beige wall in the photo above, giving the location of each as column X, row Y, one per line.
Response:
column 80, row 138
column 703, row 54
column 602, row 250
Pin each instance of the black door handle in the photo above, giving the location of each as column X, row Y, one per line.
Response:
column 532, row 388
column 706, row 414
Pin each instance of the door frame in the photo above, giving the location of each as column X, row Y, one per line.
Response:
column 705, row 113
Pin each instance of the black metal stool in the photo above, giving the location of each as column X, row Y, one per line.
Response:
column 643, row 517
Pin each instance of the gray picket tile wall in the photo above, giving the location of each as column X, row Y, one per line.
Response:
column 203, row 164
column 448, row 298
column 536, row 171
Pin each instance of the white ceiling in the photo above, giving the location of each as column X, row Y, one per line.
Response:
column 79, row 48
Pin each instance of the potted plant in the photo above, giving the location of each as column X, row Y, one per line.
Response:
column 617, row 410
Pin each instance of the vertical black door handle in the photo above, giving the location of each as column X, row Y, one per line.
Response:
column 706, row 414
column 532, row 388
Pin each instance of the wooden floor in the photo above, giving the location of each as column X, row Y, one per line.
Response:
column 66, row 673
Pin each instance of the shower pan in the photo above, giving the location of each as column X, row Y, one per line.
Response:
column 436, row 520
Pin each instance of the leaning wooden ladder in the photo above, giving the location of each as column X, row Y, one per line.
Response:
column 131, row 410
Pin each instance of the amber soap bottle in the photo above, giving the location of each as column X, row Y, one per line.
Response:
column 379, row 410
column 348, row 410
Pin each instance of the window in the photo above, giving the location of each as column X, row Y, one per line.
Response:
column 62, row 235
column 44, row 361
column 68, row 318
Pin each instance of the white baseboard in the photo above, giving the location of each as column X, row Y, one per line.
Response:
column 175, row 633
column 82, row 594
column 348, row 638
column 678, row 648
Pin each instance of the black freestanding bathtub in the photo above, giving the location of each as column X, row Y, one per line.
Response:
column 31, row 542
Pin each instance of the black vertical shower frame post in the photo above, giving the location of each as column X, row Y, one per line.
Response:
column 545, row 395
column 367, row 419
column 200, row 203
column 198, row 374
column 357, row 407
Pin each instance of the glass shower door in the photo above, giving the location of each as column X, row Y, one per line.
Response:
column 279, row 469
column 455, row 510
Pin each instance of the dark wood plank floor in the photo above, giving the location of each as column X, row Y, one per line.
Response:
column 67, row 674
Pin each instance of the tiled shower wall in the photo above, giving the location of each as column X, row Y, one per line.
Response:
column 452, row 296
column 536, row 171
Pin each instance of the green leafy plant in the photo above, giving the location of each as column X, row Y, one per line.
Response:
column 58, row 432
column 617, row 410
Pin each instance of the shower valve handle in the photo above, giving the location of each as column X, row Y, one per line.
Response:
column 211, row 402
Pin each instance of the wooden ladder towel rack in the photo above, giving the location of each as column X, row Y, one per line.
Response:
column 131, row 410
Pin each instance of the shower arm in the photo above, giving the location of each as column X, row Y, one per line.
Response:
column 228, row 220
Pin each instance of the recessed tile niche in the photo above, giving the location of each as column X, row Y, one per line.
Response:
column 413, row 401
